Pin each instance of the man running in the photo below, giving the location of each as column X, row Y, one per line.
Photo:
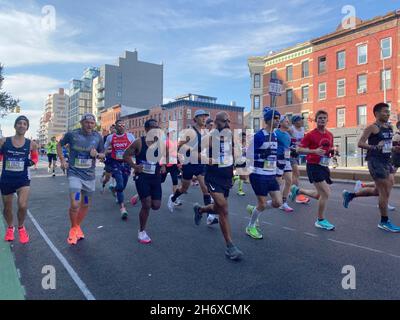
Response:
column 297, row 132
column 107, row 173
column 318, row 145
column 284, row 169
column 190, row 146
column 51, row 148
column 377, row 140
column 116, row 145
column 85, row 146
column 147, row 170
column 15, row 177
column 262, row 153
column 218, row 178
column 237, row 177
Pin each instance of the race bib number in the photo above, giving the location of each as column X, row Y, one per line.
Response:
column 173, row 160
column 324, row 161
column 119, row 154
column 387, row 147
column 15, row 165
column 149, row 167
column 83, row 162
column 270, row 163
column 287, row 154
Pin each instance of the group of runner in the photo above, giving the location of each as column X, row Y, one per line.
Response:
column 211, row 152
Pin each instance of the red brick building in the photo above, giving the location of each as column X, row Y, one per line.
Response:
column 108, row 117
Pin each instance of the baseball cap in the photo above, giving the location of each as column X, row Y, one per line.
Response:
column 88, row 116
column 269, row 112
column 209, row 120
column 150, row 123
column 296, row 118
column 201, row 113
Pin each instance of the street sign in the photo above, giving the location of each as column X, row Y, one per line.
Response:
column 275, row 87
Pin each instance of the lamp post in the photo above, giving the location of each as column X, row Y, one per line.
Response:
column 383, row 66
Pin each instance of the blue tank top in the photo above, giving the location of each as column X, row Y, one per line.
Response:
column 15, row 162
column 385, row 134
column 149, row 167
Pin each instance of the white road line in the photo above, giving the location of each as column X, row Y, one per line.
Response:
column 357, row 246
column 287, row 228
column 78, row 281
column 311, row 234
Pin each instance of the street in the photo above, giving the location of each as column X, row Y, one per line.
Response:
column 293, row 261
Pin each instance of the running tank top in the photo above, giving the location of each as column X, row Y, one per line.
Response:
column 224, row 166
column 149, row 167
column 15, row 161
column 193, row 144
column 385, row 134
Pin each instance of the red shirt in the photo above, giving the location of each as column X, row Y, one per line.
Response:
column 314, row 140
column 119, row 145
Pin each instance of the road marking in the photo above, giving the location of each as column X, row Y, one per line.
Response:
column 78, row 281
column 287, row 228
column 357, row 246
column 311, row 234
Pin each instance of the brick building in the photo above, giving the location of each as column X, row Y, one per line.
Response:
column 108, row 117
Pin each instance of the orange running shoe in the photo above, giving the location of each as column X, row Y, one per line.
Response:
column 301, row 198
column 72, row 238
column 23, row 235
column 79, row 233
column 9, row 234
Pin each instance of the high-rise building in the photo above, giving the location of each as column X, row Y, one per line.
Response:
column 54, row 119
column 80, row 93
column 133, row 83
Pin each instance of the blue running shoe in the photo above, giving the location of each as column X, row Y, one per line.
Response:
column 347, row 197
column 388, row 226
column 324, row 224
column 294, row 190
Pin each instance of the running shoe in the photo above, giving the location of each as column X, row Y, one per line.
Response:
column 294, row 190
column 197, row 214
column 23, row 235
column 9, row 234
column 390, row 208
column 178, row 202
column 72, row 237
column 301, row 198
column 285, row 207
column 241, row 193
column 250, row 210
column 134, row 199
column 358, row 186
column 212, row 219
column 124, row 213
column 170, row 203
column 324, row 224
column 254, row 232
column 347, row 197
column 79, row 233
column 388, row 226
column 233, row 253
column 143, row 237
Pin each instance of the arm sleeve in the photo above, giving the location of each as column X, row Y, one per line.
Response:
column 305, row 141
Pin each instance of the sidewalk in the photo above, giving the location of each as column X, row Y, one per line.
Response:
column 10, row 285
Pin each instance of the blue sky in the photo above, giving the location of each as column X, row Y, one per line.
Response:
column 204, row 45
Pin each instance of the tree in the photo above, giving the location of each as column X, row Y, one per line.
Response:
column 7, row 103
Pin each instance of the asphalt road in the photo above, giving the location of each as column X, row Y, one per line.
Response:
column 293, row 261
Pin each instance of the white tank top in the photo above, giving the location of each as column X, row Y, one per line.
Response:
column 297, row 134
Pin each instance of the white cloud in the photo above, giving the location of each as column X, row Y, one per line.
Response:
column 23, row 41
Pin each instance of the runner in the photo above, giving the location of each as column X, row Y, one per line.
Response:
column 241, row 178
column 262, row 152
column 284, row 169
column 377, row 140
column 297, row 133
column 318, row 145
column 51, row 148
column 85, row 146
column 147, row 175
column 360, row 185
column 218, row 178
column 15, row 177
column 116, row 145
column 107, row 174
column 190, row 147
column 66, row 157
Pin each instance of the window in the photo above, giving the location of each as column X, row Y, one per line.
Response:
column 304, row 93
column 240, row 118
column 257, row 80
column 256, row 124
column 362, row 83
column 321, row 65
column 273, row 74
column 305, row 69
column 340, row 60
column 289, row 96
column 189, row 114
column 361, row 115
column 322, row 91
column 340, row 117
column 256, row 103
column 386, row 74
column 341, row 87
column 386, row 48
column 305, row 121
column 289, row 73
column 362, row 54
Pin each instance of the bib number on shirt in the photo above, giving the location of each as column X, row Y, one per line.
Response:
column 387, row 147
column 83, row 162
column 324, row 161
column 15, row 165
column 119, row 154
column 287, row 154
column 270, row 163
column 149, row 167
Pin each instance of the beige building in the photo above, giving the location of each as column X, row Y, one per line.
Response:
column 54, row 119
column 256, row 68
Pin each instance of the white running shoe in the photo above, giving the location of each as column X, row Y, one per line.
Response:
column 178, row 202
column 143, row 237
column 170, row 203
column 212, row 219
column 285, row 207
column 358, row 186
column 390, row 208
